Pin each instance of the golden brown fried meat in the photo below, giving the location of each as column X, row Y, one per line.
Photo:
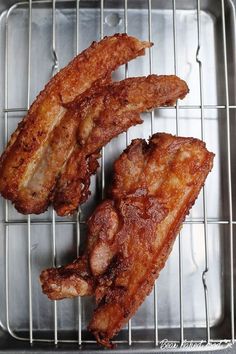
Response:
column 131, row 235
column 155, row 186
column 76, row 279
column 110, row 111
column 35, row 196
column 27, row 145
column 66, row 282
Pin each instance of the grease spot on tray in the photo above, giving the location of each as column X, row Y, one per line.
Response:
column 113, row 20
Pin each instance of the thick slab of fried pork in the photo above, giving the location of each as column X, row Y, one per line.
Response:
column 130, row 235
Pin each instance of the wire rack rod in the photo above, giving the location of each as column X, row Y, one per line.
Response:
column 54, row 264
column 208, row 107
column 228, row 169
column 6, row 202
column 55, row 66
column 29, row 217
column 150, row 55
column 68, row 222
column 204, row 273
column 103, row 149
column 126, row 70
column 175, row 45
column 78, row 223
column 79, row 298
column 127, row 138
column 55, row 69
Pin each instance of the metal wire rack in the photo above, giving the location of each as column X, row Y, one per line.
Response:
column 205, row 221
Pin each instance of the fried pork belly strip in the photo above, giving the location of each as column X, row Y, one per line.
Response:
column 27, row 145
column 131, row 235
column 104, row 115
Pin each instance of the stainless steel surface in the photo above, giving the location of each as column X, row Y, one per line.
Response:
column 193, row 300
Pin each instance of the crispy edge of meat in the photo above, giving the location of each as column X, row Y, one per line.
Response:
column 77, row 278
column 69, row 281
column 26, row 144
column 109, row 112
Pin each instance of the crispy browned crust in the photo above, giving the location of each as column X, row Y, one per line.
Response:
column 131, row 235
column 69, row 281
column 20, row 159
column 76, row 279
column 110, row 111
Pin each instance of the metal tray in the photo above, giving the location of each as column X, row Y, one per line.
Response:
column 192, row 305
